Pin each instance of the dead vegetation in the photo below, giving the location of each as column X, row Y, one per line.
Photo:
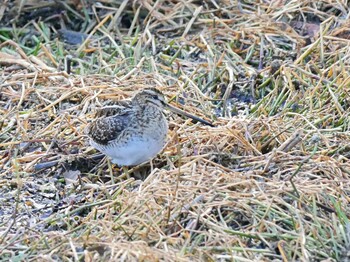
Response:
column 269, row 183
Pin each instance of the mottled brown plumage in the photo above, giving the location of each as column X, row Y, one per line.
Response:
column 133, row 131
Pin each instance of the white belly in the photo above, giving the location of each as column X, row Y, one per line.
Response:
column 133, row 152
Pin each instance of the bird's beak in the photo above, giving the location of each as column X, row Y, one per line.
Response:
column 183, row 113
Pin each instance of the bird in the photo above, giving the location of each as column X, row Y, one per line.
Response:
column 134, row 131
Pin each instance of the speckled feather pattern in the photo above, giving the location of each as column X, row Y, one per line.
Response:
column 130, row 132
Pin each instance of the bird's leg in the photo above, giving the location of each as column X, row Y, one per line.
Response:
column 110, row 168
column 114, row 169
column 151, row 163
column 125, row 172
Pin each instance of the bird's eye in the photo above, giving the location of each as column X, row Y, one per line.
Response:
column 155, row 97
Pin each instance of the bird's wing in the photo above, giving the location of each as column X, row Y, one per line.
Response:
column 106, row 129
column 117, row 108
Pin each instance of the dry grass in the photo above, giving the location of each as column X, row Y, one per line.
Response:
column 269, row 183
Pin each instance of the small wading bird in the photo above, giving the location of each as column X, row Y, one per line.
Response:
column 133, row 131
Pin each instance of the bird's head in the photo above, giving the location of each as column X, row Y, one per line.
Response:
column 150, row 96
column 155, row 97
